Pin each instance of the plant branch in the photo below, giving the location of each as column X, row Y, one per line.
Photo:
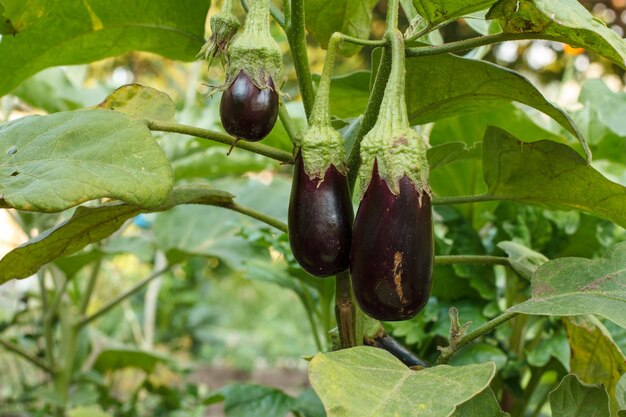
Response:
column 296, row 36
column 288, row 124
column 464, row 199
column 257, row 215
column 91, row 284
column 257, row 148
column 113, row 303
column 471, row 43
column 345, row 312
column 448, row 352
column 472, row 259
column 27, row 356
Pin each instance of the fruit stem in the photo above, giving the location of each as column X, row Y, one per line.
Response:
column 296, row 36
column 320, row 115
column 257, row 20
column 228, row 6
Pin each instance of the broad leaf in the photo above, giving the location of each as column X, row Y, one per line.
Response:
column 139, row 102
column 441, row 11
column 573, row 398
column 89, row 225
column 595, row 357
column 352, row 17
column 115, row 359
column 69, row 32
column 447, row 153
column 349, row 94
column 484, row 404
column 610, row 107
column 548, row 174
column 561, row 20
column 368, row 382
column 87, row 412
column 461, row 86
column 620, row 394
column 249, row 400
column 523, row 260
column 51, row 163
column 574, row 286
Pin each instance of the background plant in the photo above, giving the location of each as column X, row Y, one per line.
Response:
column 153, row 239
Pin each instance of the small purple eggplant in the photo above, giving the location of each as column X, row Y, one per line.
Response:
column 320, row 221
column 392, row 250
column 247, row 111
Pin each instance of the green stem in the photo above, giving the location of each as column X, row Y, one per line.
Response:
column 91, row 284
column 257, row 215
column 370, row 116
column 472, row 259
column 48, row 330
column 471, row 43
column 466, row 199
column 276, row 14
column 450, row 351
column 287, row 122
column 286, row 11
column 117, row 300
column 308, row 309
column 345, row 312
column 296, row 37
column 320, row 114
column 27, row 356
column 257, row 148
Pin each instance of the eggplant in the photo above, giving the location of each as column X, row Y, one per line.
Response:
column 320, row 221
column 392, row 250
column 247, row 111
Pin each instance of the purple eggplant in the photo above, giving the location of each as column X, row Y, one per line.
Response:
column 320, row 221
column 247, row 111
column 392, row 250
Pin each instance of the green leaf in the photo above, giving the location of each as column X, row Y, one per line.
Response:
column 349, row 94
column 81, row 31
column 551, row 346
column 51, row 163
column 595, row 357
column 610, row 107
column 523, row 260
column 548, row 174
column 6, row 27
column 87, row 412
column 249, row 400
column 441, row 11
column 367, row 382
column 479, row 353
column 572, row 398
column 115, row 359
column 561, row 20
column 89, row 225
column 351, row 17
column 449, row 152
column 139, row 102
column 484, row 404
column 574, row 286
column 620, row 394
column 461, row 86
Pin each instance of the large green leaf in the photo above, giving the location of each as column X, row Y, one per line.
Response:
column 352, row 17
column 441, row 11
column 484, row 404
column 92, row 411
column 524, row 261
column 574, row 286
column 595, row 357
column 115, row 359
column 68, row 32
column 51, row 163
column 561, row 20
column 461, row 85
column 548, row 174
column 250, row 400
column 89, row 225
column 368, row 382
column 349, row 94
column 139, row 102
column 573, row 398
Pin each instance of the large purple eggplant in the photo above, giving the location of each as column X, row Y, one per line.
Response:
column 392, row 250
column 247, row 111
column 320, row 221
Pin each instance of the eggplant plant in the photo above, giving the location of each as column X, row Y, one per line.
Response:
column 486, row 258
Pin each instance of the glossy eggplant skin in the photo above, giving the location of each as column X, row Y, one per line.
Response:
column 320, row 221
column 248, row 112
column 392, row 250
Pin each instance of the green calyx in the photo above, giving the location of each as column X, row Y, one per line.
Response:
column 392, row 142
column 254, row 51
column 224, row 27
column 320, row 144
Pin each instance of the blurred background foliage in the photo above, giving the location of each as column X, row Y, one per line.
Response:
column 236, row 306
